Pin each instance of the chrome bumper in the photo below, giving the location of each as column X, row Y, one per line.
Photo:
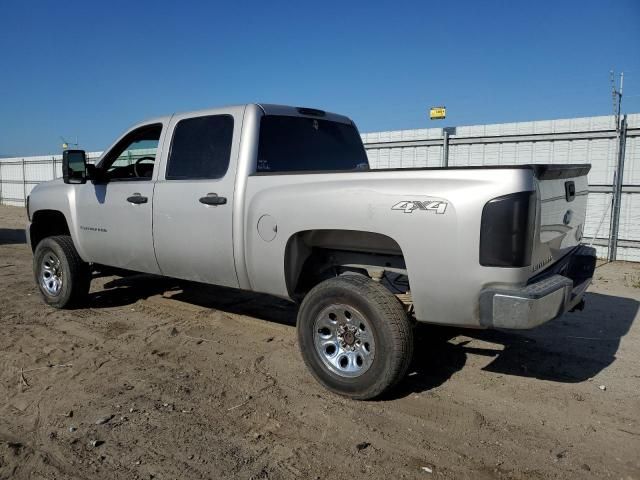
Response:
column 550, row 294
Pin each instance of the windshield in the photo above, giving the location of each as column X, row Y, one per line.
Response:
column 303, row 144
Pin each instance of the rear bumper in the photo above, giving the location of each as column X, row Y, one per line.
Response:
column 548, row 295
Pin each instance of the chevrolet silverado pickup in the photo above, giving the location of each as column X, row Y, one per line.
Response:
column 281, row 200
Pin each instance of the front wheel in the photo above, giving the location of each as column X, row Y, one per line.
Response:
column 354, row 336
column 61, row 275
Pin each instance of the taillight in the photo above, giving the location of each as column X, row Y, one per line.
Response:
column 506, row 231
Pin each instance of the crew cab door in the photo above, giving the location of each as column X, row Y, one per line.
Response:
column 114, row 211
column 193, row 201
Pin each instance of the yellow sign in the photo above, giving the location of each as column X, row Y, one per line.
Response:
column 437, row 113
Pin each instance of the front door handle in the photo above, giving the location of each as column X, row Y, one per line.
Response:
column 137, row 199
column 213, row 199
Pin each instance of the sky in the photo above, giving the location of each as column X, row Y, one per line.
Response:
column 91, row 69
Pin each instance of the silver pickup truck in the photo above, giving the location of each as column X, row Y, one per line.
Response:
column 281, row 200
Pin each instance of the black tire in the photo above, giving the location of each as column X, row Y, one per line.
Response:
column 74, row 272
column 388, row 321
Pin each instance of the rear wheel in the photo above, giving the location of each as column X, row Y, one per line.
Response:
column 61, row 275
column 355, row 336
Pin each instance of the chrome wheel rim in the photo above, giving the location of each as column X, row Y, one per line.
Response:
column 343, row 340
column 51, row 274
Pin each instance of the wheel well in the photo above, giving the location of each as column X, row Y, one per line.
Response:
column 313, row 256
column 46, row 223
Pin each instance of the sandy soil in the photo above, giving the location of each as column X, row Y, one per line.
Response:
column 199, row 382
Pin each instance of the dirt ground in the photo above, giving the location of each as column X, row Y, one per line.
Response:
column 156, row 379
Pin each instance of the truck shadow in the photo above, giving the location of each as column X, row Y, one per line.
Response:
column 126, row 290
column 12, row 236
column 436, row 358
column 239, row 302
column 571, row 349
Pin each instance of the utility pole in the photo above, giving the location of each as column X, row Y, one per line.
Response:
column 616, row 95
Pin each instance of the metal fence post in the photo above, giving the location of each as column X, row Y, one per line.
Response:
column 1, row 183
column 53, row 162
column 445, row 147
column 445, row 144
column 617, row 191
column 24, row 182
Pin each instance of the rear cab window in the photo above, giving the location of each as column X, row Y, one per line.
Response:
column 302, row 144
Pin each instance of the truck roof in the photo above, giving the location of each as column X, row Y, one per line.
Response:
column 267, row 108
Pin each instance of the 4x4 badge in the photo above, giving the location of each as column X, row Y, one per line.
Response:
column 409, row 206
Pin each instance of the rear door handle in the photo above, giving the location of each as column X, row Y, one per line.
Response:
column 213, row 199
column 137, row 199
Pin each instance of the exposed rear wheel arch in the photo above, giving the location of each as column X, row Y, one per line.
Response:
column 313, row 256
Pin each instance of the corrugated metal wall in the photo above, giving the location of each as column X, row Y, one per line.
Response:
column 577, row 140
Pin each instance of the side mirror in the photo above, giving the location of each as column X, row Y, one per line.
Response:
column 74, row 166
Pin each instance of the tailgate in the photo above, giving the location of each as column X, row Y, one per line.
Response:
column 562, row 193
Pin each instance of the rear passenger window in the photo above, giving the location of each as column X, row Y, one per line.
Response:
column 309, row 144
column 201, row 148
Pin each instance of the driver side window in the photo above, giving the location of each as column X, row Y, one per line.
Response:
column 133, row 158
